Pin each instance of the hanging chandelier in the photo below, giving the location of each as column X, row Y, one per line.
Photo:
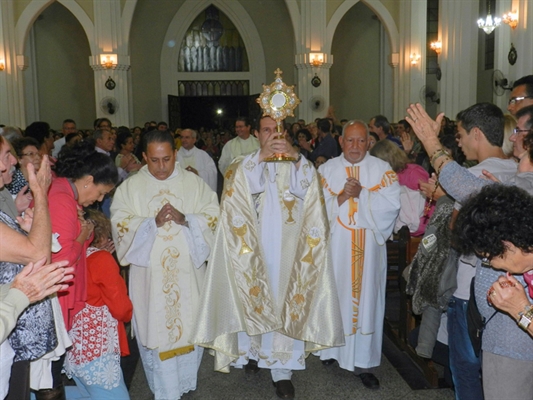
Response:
column 489, row 24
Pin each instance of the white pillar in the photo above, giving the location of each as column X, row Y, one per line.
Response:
column 309, row 94
column 109, row 39
column 458, row 60
column 312, row 39
column 11, row 85
column 412, row 77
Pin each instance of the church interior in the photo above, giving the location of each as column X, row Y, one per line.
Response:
column 57, row 57
column 203, row 63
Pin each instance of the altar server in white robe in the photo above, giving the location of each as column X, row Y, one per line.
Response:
column 269, row 298
column 362, row 201
column 244, row 144
column 196, row 160
column 163, row 221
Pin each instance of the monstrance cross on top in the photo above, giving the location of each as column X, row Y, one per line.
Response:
column 278, row 101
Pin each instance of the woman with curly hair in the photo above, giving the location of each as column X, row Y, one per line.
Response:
column 492, row 226
column 98, row 333
column 83, row 177
column 497, row 225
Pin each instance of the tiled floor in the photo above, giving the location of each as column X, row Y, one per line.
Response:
column 316, row 382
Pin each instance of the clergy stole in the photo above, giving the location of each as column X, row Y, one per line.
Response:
column 358, row 250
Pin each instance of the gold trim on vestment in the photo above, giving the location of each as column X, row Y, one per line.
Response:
column 175, row 352
column 306, row 247
column 305, row 291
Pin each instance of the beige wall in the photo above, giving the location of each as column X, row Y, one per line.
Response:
column 19, row 6
column 355, row 73
column 88, row 7
column 393, row 6
column 273, row 23
column 331, row 7
column 148, row 31
column 65, row 79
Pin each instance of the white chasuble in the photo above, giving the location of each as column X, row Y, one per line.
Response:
column 200, row 161
column 359, row 229
column 269, row 292
column 234, row 148
column 167, row 263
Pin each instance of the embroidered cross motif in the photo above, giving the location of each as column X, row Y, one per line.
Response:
column 305, row 183
column 250, row 165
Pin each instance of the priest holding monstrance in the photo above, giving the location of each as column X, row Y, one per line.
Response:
column 269, row 298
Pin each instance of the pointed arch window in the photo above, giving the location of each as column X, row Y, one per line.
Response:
column 212, row 44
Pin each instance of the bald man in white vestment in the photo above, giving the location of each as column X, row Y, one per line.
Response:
column 362, row 201
column 163, row 221
column 196, row 160
column 269, row 296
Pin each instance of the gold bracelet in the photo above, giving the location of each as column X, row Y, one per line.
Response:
column 439, row 168
column 435, row 152
column 440, row 152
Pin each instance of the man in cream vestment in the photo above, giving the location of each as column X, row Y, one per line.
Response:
column 242, row 145
column 362, row 201
column 196, row 160
column 269, row 296
column 163, row 222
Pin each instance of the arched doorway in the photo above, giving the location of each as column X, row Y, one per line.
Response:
column 171, row 76
column 59, row 82
column 362, row 35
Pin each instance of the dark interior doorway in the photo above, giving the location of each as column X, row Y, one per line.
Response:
column 210, row 112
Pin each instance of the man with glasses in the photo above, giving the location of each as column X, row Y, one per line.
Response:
column 524, row 122
column 521, row 95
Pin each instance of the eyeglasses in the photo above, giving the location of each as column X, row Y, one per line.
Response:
column 514, row 100
column 31, row 155
column 516, row 131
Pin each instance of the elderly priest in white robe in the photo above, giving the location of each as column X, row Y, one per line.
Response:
column 196, row 160
column 362, row 200
column 269, row 296
column 163, row 221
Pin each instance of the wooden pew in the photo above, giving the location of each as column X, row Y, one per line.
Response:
column 400, row 252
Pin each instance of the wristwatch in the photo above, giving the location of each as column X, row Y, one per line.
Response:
column 525, row 318
column 298, row 159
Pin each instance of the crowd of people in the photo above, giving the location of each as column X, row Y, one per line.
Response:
column 264, row 263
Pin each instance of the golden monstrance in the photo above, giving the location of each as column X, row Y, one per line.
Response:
column 278, row 101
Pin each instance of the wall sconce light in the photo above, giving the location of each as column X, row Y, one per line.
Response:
column 511, row 19
column 436, row 47
column 108, row 61
column 2, row 65
column 316, row 59
column 414, row 58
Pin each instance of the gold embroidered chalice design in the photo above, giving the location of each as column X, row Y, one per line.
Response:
column 313, row 239
column 289, row 201
column 240, row 229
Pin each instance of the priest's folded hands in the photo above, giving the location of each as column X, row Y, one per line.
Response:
column 169, row 213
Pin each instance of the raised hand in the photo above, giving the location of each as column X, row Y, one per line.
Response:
column 426, row 129
column 40, row 182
